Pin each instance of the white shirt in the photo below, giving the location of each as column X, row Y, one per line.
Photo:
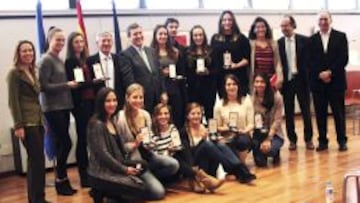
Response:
column 107, row 64
column 142, row 53
column 290, row 43
column 325, row 39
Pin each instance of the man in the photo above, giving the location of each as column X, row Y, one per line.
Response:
column 293, row 49
column 114, row 77
column 329, row 56
column 172, row 25
column 141, row 62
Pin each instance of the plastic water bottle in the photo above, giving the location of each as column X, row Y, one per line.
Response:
column 329, row 192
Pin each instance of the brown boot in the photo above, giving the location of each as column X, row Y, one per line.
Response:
column 211, row 183
column 196, row 186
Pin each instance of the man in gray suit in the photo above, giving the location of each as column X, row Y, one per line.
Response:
column 142, row 63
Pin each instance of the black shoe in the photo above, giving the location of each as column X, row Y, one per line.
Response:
column 343, row 148
column 247, row 179
column 96, row 195
column 84, row 182
column 321, row 148
column 64, row 188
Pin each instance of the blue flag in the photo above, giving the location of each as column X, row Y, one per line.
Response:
column 116, row 29
column 40, row 29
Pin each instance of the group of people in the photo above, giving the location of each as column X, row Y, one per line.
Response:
column 139, row 115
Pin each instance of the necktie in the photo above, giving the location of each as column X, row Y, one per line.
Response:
column 289, row 57
column 145, row 59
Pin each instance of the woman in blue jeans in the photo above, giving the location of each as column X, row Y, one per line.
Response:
column 268, row 136
column 135, row 128
column 207, row 154
column 110, row 173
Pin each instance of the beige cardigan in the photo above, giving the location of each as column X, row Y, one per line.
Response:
column 277, row 63
column 275, row 113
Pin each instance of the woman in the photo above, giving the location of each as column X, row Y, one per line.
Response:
column 56, row 103
column 200, row 71
column 135, row 127
column 110, row 174
column 268, row 136
column 167, row 141
column 169, row 56
column 23, row 90
column 264, row 52
column 206, row 154
column 231, row 52
column 235, row 117
column 83, row 96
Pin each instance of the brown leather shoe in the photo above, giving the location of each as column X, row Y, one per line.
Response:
column 292, row 146
column 310, row 145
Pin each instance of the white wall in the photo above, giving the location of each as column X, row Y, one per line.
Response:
column 14, row 29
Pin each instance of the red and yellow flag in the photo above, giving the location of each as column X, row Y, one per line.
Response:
column 81, row 25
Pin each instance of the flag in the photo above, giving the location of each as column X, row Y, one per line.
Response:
column 81, row 25
column 116, row 29
column 40, row 29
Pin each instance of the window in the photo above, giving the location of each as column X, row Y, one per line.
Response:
column 308, row 4
column 172, row 4
column 30, row 5
column 342, row 5
column 270, row 5
column 106, row 4
column 225, row 4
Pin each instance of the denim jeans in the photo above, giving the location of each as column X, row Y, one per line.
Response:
column 208, row 155
column 154, row 189
column 163, row 166
column 260, row 158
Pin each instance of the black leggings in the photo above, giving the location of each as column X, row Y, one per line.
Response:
column 185, row 160
column 82, row 113
column 114, row 190
column 59, row 124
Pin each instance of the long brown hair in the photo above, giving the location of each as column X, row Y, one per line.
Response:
column 70, row 52
column 170, row 49
column 236, row 80
column 157, row 109
column 127, row 109
column 16, row 59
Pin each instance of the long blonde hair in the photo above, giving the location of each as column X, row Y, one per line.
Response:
column 128, row 110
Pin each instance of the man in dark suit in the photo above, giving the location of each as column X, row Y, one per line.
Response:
column 329, row 56
column 293, row 49
column 142, row 64
column 114, row 77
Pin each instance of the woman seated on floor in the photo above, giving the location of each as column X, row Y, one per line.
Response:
column 167, row 142
column 208, row 154
column 268, row 136
column 235, row 117
column 135, row 128
column 110, row 173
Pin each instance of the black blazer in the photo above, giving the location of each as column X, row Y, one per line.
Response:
column 70, row 65
column 335, row 60
column 152, row 82
column 302, row 57
column 121, row 79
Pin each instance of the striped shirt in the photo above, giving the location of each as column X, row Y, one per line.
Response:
column 264, row 60
column 165, row 140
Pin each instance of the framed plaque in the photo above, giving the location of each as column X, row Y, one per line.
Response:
column 200, row 65
column 79, row 74
column 172, row 71
column 233, row 121
column 98, row 71
column 227, row 60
